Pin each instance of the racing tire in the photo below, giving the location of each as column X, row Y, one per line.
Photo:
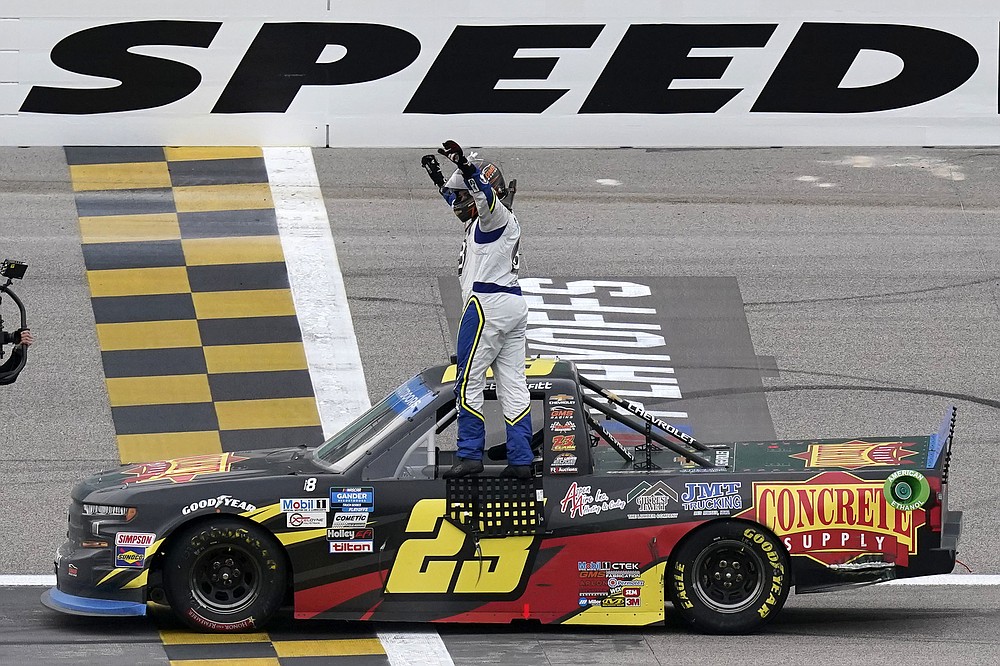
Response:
column 729, row 577
column 224, row 576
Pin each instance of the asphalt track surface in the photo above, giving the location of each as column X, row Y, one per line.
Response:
column 871, row 276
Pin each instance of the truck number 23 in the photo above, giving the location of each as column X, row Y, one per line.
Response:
column 431, row 562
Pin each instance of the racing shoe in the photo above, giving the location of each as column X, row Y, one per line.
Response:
column 516, row 471
column 464, row 467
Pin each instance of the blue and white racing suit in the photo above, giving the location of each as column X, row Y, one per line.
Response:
column 492, row 332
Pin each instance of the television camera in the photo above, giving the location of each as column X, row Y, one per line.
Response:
column 12, row 270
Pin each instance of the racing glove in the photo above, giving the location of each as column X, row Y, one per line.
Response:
column 433, row 169
column 453, row 152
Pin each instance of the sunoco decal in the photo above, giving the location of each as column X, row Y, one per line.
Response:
column 835, row 517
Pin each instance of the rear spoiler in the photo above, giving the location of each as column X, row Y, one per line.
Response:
column 939, row 453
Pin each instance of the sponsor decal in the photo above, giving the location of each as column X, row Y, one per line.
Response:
column 181, row 470
column 721, row 458
column 557, row 413
column 652, row 500
column 130, row 557
column 562, row 399
column 613, row 602
column 564, row 442
column 584, row 602
column 631, row 591
column 855, row 454
column 305, row 519
column 631, row 602
column 218, row 503
column 712, row 499
column 142, row 539
column 563, row 470
column 350, row 519
column 562, row 426
column 352, row 546
column 564, row 459
column 212, row 625
column 352, row 499
column 71, row 570
column 834, row 517
column 341, row 534
column 579, row 501
column 311, row 504
column 608, row 566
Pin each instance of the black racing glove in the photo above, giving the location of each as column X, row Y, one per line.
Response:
column 453, row 152
column 433, row 169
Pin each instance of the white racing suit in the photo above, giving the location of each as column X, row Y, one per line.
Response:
column 492, row 331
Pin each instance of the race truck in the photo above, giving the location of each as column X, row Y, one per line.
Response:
column 623, row 514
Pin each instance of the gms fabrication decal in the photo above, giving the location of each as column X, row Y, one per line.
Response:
column 381, row 73
column 834, row 517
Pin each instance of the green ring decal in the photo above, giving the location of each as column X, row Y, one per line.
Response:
column 906, row 490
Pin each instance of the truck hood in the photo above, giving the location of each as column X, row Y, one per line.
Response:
column 198, row 469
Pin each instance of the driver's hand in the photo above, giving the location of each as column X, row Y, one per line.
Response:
column 26, row 338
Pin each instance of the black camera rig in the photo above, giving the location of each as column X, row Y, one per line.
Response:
column 12, row 270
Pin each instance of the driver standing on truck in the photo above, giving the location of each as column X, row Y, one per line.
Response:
column 495, row 315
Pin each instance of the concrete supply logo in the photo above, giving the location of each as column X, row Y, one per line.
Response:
column 855, row 455
column 181, row 470
column 305, row 519
column 311, row 504
column 835, row 517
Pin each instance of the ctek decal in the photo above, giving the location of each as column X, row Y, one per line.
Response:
column 217, row 503
column 181, row 470
column 855, row 454
column 834, row 517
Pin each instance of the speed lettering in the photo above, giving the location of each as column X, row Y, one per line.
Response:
column 637, row 78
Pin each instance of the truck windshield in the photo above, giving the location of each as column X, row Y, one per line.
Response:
column 374, row 426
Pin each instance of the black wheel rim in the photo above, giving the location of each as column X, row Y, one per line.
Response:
column 730, row 576
column 226, row 579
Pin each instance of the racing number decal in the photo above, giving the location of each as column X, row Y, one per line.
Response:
column 433, row 564
column 515, row 258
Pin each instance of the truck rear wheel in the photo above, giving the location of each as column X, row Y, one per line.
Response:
column 729, row 577
column 224, row 576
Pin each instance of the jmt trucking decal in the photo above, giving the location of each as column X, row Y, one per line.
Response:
column 855, row 454
column 834, row 517
column 439, row 558
column 181, row 470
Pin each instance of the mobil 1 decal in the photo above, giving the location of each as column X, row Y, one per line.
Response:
column 678, row 347
column 847, row 454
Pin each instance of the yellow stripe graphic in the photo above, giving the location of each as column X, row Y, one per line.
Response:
column 275, row 413
column 255, row 358
column 191, row 153
column 165, row 445
column 149, row 335
column 328, row 648
column 238, row 250
column 140, row 175
column 204, row 198
column 473, row 302
column 234, row 304
column 130, row 228
column 139, row 281
column 159, row 390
